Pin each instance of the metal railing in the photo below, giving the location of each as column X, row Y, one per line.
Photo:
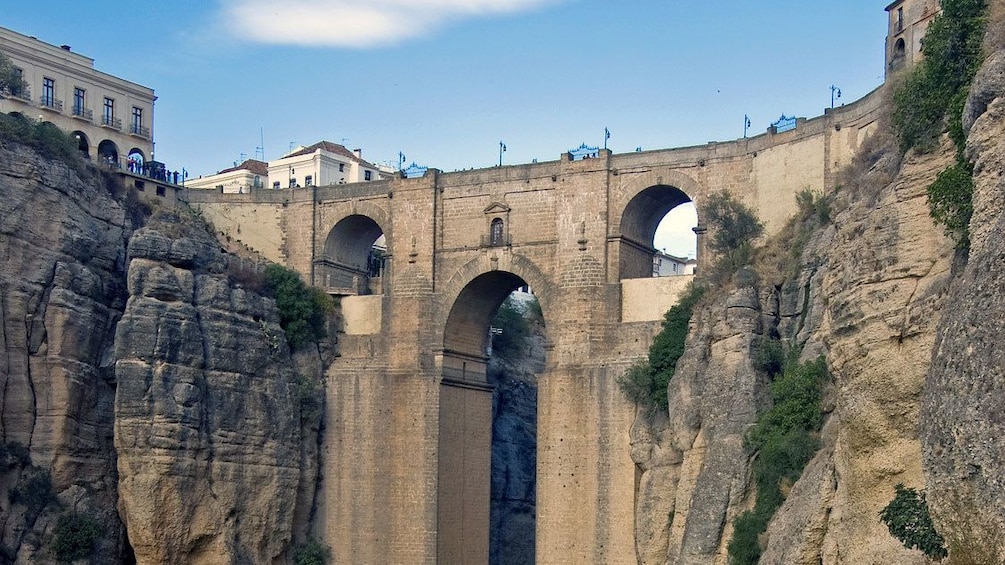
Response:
column 81, row 112
column 50, row 103
column 112, row 122
column 137, row 129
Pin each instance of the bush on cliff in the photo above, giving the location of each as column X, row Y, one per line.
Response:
column 311, row 552
column 908, row 520
column 734, row 229
column 784, row 439
column 930, row 101
column 646, row 381
column 303, row 310
column 74, row 537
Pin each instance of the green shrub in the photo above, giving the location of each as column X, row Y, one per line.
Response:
column 311, row 552
column 510, row 330
column 908, row 520
column 10, row 81
column 311, row 396
column 646, row 381
column 33, row 491
column 14, row 453
column 734, row 224
column 74, row 536
column 950, row 201
column 785, row 439
column 303, row 310
column 44, row 137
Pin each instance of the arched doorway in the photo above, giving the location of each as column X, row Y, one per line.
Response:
column 471, row 467
column 135, row 160
column 662, row 209
column 83, row 143
column 108, row 153
column 355, row 257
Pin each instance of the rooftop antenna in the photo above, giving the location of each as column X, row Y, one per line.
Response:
column 261, row 148
column 345, row 142
column 292, row 145
column 244, row 156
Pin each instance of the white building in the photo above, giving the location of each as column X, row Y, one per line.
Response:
column 666, row 265
column 322, row 164
column 111, row 118
column 239, row 179
column 908, row 22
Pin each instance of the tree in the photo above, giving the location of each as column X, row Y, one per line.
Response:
column 735, row 224
column 10, row 78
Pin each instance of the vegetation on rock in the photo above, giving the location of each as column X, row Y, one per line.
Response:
column 74, row 537
column 44, row 137
column 734, row 229
column 303, row 309
column 311, row 552
column 646, row 381
column 908, row 520
column 784, row 439
column 930, row 101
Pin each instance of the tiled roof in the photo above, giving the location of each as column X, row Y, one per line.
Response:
column 253, row 165
column 331, row 148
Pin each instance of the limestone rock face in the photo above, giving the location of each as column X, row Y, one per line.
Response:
column 62, row 290
column 963, row 418
column 868, row 297
column 207, row 412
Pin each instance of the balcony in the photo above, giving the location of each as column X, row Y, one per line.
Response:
column 23, row 94
column 49, row 103
column 138, row 130
column 111, row 122
column 83, row 113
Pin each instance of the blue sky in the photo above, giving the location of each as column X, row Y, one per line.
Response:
column 443, row 81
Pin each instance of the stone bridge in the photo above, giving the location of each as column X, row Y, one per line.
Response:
column 407, row 442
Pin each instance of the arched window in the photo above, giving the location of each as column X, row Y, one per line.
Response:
column 496, row 237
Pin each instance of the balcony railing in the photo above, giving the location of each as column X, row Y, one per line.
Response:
column 137, row 129
column 111, row 122
column 83, row 113
column 24, row 94
column 50, row 104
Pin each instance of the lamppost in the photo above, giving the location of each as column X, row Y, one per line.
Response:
column 837, row 91
column 502, row 149
column 746, row 124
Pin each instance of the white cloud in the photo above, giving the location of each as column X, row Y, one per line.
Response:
column 354, row 23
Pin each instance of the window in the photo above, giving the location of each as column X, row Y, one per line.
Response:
column 496, row 236
column 293, row 182
column 78, row 101
column 341, row 167
column 108, row 114
column 367, row 175
column 275, row 185
column 137, row 120
column 257, row 182
column 48, row 92
column 900, row 19
column 308, row 180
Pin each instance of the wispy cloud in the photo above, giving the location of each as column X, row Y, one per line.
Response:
column 355, row 23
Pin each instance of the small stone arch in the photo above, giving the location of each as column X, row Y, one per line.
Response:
column 643, row 206
column 83, row 143
column 354, row 257
column 108, row 152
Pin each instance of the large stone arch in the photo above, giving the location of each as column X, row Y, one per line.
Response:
column 464, row 468
column 515, row 264
column 345, row 262
column 637, row 213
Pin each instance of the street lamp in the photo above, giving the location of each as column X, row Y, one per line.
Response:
column 837, row 91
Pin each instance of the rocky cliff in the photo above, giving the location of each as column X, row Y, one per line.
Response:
column 963, row 416
column 869, row 291
column 143, row 388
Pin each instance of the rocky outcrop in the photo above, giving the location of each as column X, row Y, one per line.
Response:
column 207, row 411
column 868, row 297
column 63, row 237
column 963, row 420
column 139, row 385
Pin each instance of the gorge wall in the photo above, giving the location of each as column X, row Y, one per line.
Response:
column 141, row 387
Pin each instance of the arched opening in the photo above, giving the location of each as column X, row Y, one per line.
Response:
column 135, row 160
column 899, row 48
column 83, row 144
column 108, row 153
column 355, row 257
column 493, row 349
column 658, row 234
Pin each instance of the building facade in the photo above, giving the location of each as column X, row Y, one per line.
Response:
column 112, row 119
column 908, row 22
column 321, row 164
column 666, row 265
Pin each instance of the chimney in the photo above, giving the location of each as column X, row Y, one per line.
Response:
column 358, row 153
column 64, row 47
